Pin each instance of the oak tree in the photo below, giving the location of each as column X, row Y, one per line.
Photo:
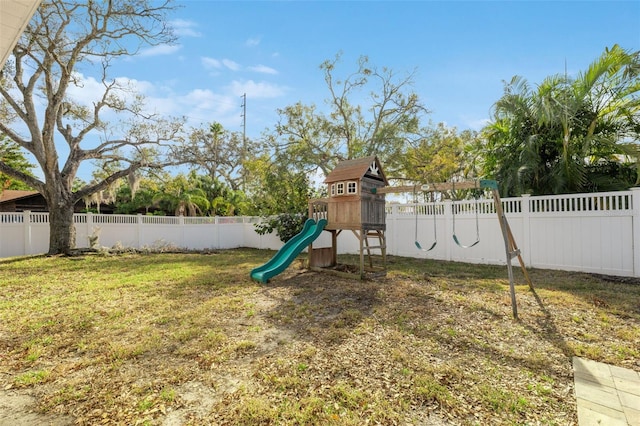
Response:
column 65, row 41
column 370, row 111
column 219, row 152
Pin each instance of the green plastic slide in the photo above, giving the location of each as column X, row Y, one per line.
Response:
column 289, row 251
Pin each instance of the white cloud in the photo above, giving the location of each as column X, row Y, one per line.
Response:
column 203, row 99
column 162, row 49
column 263, row 69
column 204, row 106
column 233, row 66
column 210, row 63
column 89, row 90
column 254, row 41
column 199, row 106
column 157, row 99
column 138, row 86
column 184, row 28
column 213, row 63
column 478, row 123
column 257, row 89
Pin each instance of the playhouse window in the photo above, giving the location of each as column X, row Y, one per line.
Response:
column 333, row 189
column 352, row 188
column 340, row 188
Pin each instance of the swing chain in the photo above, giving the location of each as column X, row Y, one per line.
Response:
column 435, row 236
column 453, row 218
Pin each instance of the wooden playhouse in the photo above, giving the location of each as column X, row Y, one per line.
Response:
column 353, row 204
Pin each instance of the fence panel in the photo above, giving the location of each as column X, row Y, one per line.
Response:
column 577, row 232
column 583, row 232
column 12, row 235
column 230, row 235
column 406, row 224
column 597, row 244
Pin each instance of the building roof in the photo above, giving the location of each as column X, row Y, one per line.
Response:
column 12, row 195
column 356, row 169
column 14, row 17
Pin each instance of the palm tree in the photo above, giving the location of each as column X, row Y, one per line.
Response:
column 182, row 198
column 548, row 140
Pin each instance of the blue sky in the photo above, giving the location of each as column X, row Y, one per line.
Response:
column 460, row 52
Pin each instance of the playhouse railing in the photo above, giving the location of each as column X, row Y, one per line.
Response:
column 318, row 208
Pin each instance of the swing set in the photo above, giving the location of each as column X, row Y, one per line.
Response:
column 453, row 216
column 511, row 249
column 356, row 203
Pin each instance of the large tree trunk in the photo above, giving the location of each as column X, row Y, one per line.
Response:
column 62, row 231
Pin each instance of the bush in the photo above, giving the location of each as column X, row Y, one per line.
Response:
column 286, row 225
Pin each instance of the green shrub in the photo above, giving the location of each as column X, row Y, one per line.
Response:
column 286, row 225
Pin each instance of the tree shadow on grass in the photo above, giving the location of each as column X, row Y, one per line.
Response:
column 9, row 260
column 415, row 315
column 618, row 296
column 318, row 306
column 547, row 328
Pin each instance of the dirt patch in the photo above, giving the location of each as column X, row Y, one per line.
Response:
column 21, row 409
column 197, row 399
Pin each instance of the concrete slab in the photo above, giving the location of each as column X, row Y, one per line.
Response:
column 624, row 373
column 606, row 394
column 633, row 416
column 629, row 400
column 629, row 386
column 593, row 368
column 598, row 410
column 598, row 383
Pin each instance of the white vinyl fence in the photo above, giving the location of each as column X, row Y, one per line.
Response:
column 595, row 233
column 592, row 233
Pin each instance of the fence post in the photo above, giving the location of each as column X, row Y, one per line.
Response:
column 26, row 221
column 89, row 227
column 139, row 229
column 216, row 221
column 392, row 246
column 635, row 220
column 448, row 226
column 181, row 223
column 526, row 227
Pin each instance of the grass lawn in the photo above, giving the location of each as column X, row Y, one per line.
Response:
column 189, row 339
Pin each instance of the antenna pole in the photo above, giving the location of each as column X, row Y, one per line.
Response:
column 244, row 117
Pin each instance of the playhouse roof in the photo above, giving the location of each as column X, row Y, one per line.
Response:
column 356, row 169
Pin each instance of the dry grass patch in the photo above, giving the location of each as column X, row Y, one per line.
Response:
column 190, row 339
